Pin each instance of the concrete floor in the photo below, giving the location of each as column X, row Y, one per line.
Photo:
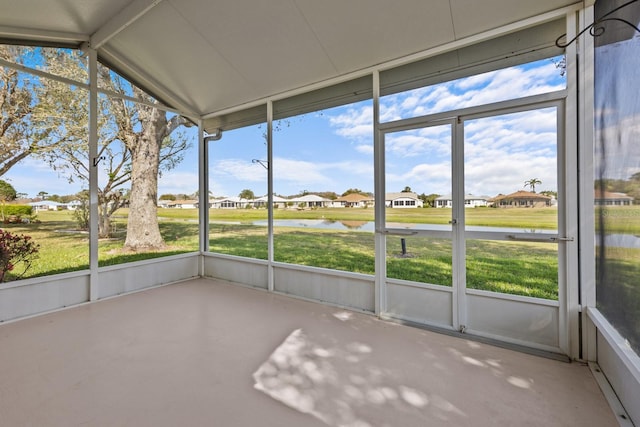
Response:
column 206, row 353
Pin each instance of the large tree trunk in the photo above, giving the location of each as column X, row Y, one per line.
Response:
column 143, row 232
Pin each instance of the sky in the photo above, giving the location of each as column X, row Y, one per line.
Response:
column 332, row 150
column 619, row 127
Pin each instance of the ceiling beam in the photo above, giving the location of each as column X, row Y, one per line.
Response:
column 18, row 33
column 121, row 20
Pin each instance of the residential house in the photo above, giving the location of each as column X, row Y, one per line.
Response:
column 402, row 200
column 278, row 202
column 47, row 205
column 607, row 198
column 74, row 205
column 470, row 201
column 353, row 200
column 310, row 201
column 522, row 199
column 183, row 204
column 234, row 202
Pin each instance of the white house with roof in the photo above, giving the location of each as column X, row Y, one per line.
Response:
column 403, row 200
column 609, row 198
column 234, row 202
column 278, row 202
column 470, row 201
column 47, row 205
column 353, row 200
column 183, row 204
column 310, row 201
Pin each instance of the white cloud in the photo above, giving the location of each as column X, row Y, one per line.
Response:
column 299, row 171
column 292, row 176
column 481, row 89
column 364, row 148
column 238, row 169
column 432, row 141
column 422, row 178
column 32, row 176
column 507, row 174
column 622, row 152
column 349, row 167
column 474, row 81
column 176, row 182
column 355, row 124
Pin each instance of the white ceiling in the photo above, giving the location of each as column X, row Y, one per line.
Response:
column 205, row 56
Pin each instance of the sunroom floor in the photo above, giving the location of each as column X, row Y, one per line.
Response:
column 207, row 353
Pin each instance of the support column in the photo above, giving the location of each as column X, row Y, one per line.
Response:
column 203, row 198
column 380, row 291
column 270, row 257
column 94, row 293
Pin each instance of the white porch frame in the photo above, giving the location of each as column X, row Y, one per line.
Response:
column 587, row 334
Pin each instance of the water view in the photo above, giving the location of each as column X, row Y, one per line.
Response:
column 370, row 226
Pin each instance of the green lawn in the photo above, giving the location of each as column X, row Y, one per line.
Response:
column 522, row 268
column 541, row 218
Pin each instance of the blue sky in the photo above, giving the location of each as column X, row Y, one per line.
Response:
column 620, row 126
column 332, row 150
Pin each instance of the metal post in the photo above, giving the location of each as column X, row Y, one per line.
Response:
column 93, row 173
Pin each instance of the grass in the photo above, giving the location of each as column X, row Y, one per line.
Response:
column 619, row 297
column 522, row 268
column 63, row 248
column 541, row 218
column 621, row 219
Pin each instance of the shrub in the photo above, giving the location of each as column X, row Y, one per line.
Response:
column 16, row 249
column 81, row 215
column 18, row 210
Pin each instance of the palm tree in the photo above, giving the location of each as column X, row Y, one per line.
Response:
column 531, row 183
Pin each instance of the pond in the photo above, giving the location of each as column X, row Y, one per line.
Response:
column 614, row 240
column 370, row 226
column 620, row 241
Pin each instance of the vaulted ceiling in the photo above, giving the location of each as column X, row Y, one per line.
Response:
column 205, row 56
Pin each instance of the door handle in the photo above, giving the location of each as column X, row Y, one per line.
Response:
column 562, row 239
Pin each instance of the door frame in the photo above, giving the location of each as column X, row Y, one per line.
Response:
column 459, row 295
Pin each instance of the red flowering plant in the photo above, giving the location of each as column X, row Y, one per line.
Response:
column 16, row 250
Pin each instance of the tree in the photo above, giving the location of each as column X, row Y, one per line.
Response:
column 331, row 195
column 531, row 183
column 134, row 146
column 170, row 197
column 247, row 194
column 150, row 147
column 7, row 193
column 82, row 213
column 23, row 125
column 407, row 189
column 428, row 200
column 354, row 191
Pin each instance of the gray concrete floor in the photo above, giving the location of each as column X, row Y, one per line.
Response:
column 206, row 353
